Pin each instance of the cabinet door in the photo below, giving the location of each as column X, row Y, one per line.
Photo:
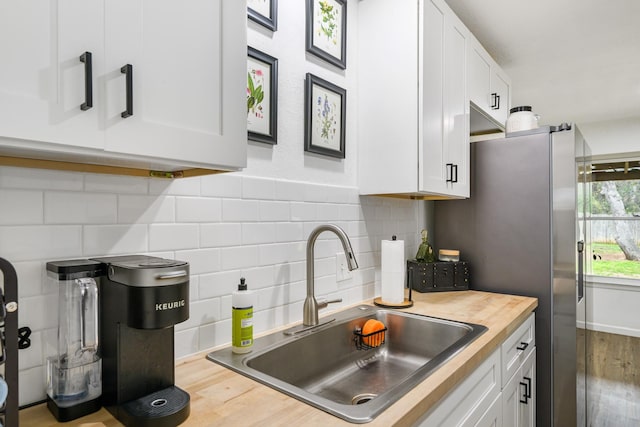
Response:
column 479, row 76
column 493, row 416
column 528, row 409
column 188, row 80
column 500, row 88
column 511, row 394
column 42, row 80
column 444, row 141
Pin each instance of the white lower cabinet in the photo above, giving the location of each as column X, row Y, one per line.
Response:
column 519, row 396
column 500, row 392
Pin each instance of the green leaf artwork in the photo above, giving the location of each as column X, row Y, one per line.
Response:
column 255, row 93
column 328, row 24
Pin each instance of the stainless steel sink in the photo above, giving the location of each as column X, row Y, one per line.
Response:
column 330, row 368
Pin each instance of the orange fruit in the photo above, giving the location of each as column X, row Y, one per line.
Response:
column 371, row 326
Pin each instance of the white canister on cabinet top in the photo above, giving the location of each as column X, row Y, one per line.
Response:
column 521, row 118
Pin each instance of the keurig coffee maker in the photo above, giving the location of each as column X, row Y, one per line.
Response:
column 141, row 299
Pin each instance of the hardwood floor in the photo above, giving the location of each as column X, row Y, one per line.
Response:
column 613, row 379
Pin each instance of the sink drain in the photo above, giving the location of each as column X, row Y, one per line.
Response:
column 362, row 398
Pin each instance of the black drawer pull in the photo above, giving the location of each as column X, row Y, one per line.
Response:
column 88, row 81
column 523, row 346
column 525, row 396
column 127, row 70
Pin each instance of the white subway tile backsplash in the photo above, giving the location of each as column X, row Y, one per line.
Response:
column 101, row 240
column 274, row 211
column 186, row 342
column 40, row 242
column 236, row 210
column 220, row 235
column 40, row 179
column 201, row 261
column 290, row 190
column 219, row 284
column 31, row 280
column 176, row 187
column 237, row 257
column 301, row 211
column 215, row 334
column 80, row 208
column 145, row 209
column 173, row 236
column 227, row 185
column 258, row 188
column 260, row 232
column 259, row 277
column 116, row 184
column 197, row 209
column 38, row 312
column 289, row 232
column 31, row 387
column 21, row 207
column 201, row 313
column 32, row 356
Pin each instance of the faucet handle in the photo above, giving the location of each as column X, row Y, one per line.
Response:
column 322, row 303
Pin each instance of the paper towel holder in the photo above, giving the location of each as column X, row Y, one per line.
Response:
column 404, row 304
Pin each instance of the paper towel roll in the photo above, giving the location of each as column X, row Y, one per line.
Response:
column 392, row 269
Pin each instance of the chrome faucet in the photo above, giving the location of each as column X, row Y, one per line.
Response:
column 311, row 306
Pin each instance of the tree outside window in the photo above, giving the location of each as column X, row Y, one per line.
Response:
column 615, row 219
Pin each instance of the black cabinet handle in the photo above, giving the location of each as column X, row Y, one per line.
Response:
column 523, row 346
column 494, row 101
column 449, row 172
column 525, row 395
column 452, row 173
column 528, row 380
column 497, row 102
column 88, row 81
column 127, row 70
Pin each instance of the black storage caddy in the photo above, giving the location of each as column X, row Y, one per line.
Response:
column 438, row 276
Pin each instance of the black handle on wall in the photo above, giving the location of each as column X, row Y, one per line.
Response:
column 88, row 81
column 127, row 70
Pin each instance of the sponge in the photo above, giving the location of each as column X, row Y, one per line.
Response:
column 370, row 327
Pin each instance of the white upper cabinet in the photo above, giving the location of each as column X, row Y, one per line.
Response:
column 489, row 86
column 179, row 53
column 413, row 106
column 42, row 80
column 180, row 105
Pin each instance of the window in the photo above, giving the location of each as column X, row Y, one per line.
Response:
column 615, row 219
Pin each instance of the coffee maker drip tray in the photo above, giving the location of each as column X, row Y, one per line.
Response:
column 166, row 407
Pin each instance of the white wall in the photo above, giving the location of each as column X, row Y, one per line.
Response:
column 288, row 159
column 612, row 306
column 252, row 224
column 616, row 138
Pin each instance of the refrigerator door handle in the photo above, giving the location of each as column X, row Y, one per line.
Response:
column 580, row 270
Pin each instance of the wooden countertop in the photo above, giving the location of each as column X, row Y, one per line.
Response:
column 221, row 397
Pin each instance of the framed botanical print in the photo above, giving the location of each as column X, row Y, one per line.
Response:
column 264, row 12
column 326, row 33
column 325, row 115
column 262, row 96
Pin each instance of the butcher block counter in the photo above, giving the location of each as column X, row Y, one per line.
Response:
column 221, row 397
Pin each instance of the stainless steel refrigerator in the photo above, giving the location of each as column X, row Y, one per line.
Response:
column 522, row 233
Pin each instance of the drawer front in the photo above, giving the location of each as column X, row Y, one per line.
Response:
column 467, row 404
column 517, row 347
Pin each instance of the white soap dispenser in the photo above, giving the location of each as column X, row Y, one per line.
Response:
column 242, row 302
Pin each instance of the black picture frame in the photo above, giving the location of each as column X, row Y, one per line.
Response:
column 271, row 21
column 325, row 117
column 328, row 9
column 262, row 129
